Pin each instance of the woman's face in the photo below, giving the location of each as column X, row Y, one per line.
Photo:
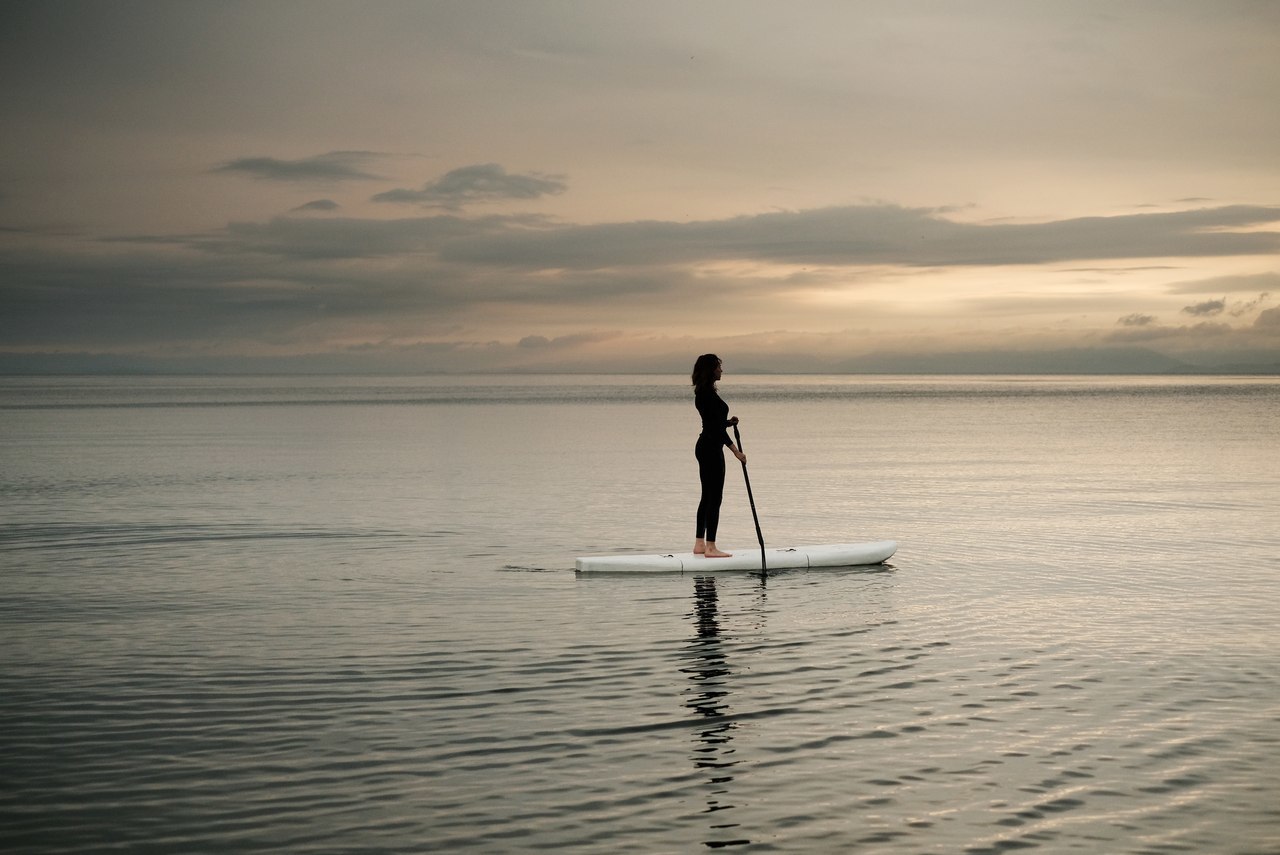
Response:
column 719, row 369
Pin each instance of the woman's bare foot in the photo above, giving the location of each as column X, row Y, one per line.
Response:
column 713, row 552
column 699, row 546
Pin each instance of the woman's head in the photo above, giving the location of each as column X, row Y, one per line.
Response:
column 706, row 371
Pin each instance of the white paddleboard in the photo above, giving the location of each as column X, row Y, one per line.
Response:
column 826, row 555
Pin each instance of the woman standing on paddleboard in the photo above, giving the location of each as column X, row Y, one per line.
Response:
column 710, row 452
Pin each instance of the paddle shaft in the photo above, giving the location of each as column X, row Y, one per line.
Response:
column 752, row 499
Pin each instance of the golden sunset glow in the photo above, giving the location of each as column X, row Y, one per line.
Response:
column 824, row 186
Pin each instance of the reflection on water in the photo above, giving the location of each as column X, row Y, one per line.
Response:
column 708, row 698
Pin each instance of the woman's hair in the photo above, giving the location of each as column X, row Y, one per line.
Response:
column 704, row 371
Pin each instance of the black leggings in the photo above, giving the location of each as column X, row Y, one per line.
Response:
column 711, row 473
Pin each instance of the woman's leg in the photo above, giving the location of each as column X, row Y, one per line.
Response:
column 711, row 475
column 704, row 477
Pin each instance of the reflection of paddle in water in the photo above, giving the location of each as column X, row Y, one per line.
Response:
column 708, row 698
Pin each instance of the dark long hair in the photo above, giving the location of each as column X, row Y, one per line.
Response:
column 704, row 372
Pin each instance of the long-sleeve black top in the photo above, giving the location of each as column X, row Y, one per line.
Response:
column 714, row 412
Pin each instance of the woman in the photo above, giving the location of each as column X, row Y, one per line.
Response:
column 710, row 452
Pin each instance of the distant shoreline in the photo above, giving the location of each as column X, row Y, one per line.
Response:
column 1081, row 361
column 1235, row 371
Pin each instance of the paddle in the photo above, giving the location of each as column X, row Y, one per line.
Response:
column 764, row 571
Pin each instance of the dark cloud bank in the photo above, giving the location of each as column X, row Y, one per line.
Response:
column 485, row 182
column 334, row 166
column 293, row 280
column 863, row 235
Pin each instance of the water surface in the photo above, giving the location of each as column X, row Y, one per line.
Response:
column 335, row 614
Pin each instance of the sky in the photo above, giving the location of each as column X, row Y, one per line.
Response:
column 1055, row 185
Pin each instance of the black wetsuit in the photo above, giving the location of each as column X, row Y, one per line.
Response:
column 710, row 453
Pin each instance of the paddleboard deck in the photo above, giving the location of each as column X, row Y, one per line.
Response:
column 825, row 555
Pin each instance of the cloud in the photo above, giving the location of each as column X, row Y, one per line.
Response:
column 1142, row 268
column 1206, row 309
column 1244, row 307
column 146, row 295
column 539, row 342
column 350, row 238
column 535, row 341
column 878, row 234
column 319, row 205
column 133, row 300
column 288, row 279
column 1236, row 309
column 483, row 182
column 1202, row 330
column 302, row 281
column 1229, row 284
column 334, row 166
column 1136, row 320
column 1268, row 320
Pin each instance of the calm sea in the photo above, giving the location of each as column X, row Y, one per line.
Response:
column 339, row 614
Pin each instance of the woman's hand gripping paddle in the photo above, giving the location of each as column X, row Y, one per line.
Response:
column 764, row 571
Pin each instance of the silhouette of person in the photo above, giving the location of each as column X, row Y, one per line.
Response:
column 709, row 451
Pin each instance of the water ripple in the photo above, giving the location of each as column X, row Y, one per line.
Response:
column 368, row 638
